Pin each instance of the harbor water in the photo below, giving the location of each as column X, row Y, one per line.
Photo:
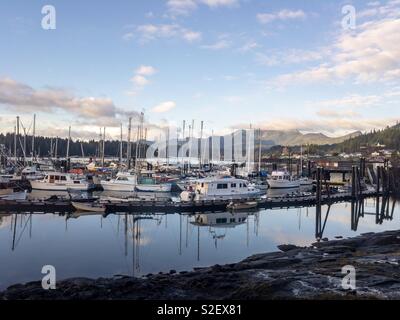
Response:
column 90, row 245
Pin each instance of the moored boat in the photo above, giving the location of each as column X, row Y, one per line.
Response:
column 282, row 180
column 242, row 205
column 89, row 206
column 224, row 188
column 57, row 181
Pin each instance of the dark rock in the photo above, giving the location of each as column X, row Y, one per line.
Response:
column 287, row 247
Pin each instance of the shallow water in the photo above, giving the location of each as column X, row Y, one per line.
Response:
column 93, row 246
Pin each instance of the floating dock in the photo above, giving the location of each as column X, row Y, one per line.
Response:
column 158, row 206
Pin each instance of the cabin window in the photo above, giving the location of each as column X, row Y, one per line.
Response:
column 221, row 220
column 240, row 185
column 63, row 178
column 244, row 185
column 233, row 185
column 232, row 220
column 202, row 185
column 222, row 186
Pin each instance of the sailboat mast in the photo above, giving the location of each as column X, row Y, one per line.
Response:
column 120, row 148
column 129, row 150
column 33, row 136
column 259, row 151
column 104, row 147
column 69, row 140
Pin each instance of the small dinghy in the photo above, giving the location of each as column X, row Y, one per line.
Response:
column 242, row 205
column 89, row 206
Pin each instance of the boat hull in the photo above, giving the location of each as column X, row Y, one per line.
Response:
column 88, row 207
column 154, row 187
column 121, row 187
column 279, row 184
column 39, row 185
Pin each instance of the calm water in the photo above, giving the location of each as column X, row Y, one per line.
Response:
column 93, row 246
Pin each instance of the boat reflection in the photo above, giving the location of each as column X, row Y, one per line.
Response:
column 220, row 220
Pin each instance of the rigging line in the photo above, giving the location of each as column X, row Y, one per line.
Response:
column 116, row 234
column 22, row 232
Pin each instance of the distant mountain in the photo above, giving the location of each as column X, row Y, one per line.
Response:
column 390, row 137
column 295, row 138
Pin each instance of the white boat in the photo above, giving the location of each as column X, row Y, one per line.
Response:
column 306, row 182
column 225, row 188
column 14, row 196
column 88, row 206
column 128, row 182
column 120, row 183
column 282, row 180
column 32, row 173
column 57, row 181
column 242, row 205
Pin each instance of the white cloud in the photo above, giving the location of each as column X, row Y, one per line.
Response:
column 140, row 79
column 368, row 54
column 145, row 70
column 352, row 101
column 220, row 3
column 191, row 36
column 291, row 56
column 219, row 45
column 181, row 7
column 22, row 98
column 149, row 32
column 282, row 15
column 164, row 107
column 185, row 7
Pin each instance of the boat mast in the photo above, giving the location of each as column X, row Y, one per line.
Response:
column 301, row 160
column 259, row 152
column 33, row 136
column 201, row 139
column 120, row 148
column 56, row 149
column 103, row 147
column 69, row 140
column 129, row 150
column 183, row 143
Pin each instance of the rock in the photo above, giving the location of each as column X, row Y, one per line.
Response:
column 287, row 247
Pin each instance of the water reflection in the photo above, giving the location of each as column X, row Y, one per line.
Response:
column 90, row 245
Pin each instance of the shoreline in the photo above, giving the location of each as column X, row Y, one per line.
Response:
column 313, row 272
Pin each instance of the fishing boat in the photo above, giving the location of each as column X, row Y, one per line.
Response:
column 89, row 206
column 224, row 188
column 57, row 181
column 282, row 180
column 242, row 205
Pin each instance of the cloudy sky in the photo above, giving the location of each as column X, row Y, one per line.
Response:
column 285, row 64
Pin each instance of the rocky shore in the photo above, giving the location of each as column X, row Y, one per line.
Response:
column 293, row 273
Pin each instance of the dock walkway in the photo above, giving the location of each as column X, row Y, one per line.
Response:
column 157, row 206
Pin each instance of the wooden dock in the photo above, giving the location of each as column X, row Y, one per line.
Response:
column 65, row 206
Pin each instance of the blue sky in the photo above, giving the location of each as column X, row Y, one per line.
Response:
column 231, row 63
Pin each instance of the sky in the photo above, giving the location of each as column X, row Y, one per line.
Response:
column 308, row 65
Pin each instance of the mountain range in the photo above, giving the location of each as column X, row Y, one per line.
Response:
column 272, row 138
